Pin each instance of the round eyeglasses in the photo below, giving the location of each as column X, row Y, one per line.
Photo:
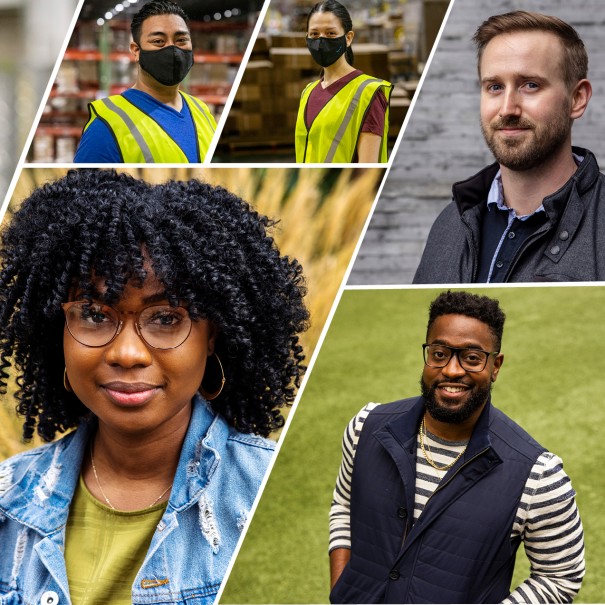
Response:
column 471, row 360
column 96, row 325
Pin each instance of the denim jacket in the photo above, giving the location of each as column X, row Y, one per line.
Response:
column 218, row 475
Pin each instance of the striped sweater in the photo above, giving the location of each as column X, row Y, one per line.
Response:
column 547, row 519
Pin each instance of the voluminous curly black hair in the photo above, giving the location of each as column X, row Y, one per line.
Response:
column 210, row 249
column 483, row 308
column 152, row 9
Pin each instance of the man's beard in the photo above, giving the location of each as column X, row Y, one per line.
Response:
column 477, row 398
column 537, row 146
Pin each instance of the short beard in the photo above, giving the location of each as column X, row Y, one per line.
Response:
column 526, row 155
column 477, row 398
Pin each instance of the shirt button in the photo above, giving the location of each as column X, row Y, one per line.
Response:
column 564, row 235
column 499, row 264
column 50, row 597
column 511, row 235
column 394, row 574
column 555, row 250
column 402, row 513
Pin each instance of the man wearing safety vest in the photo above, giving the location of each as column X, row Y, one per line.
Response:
column 152, row 122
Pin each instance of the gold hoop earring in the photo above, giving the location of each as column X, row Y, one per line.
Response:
column 66, row 384
column 213, row 395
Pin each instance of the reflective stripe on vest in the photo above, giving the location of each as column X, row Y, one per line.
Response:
column 141, row 139
column 333, row 135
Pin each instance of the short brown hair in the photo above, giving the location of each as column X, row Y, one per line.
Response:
column 575, row 64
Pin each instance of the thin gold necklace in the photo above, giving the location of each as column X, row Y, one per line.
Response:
column 94, row 470
column 422, row 435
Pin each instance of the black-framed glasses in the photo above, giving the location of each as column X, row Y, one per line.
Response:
column 96, row 325
column 471, row 360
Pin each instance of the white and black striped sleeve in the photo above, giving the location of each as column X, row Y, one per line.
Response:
column 340, row 522
column 549, row 525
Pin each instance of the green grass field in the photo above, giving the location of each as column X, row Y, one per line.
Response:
column 552, row 383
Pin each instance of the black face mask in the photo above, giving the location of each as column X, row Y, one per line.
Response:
column 326, row 51
column 169, row 65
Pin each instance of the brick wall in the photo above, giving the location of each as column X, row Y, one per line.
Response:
column 443, row 142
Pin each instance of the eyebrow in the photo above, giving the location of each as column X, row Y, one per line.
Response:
column 183, row 32
column 466, row 345
column 517, row 76
column 156, row 297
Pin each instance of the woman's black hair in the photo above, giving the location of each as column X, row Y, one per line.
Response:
column 340, row 11
column 210, row 249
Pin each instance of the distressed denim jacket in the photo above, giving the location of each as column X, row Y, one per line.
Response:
column 217, row 479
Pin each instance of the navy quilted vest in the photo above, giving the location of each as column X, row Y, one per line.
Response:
column 459, row 550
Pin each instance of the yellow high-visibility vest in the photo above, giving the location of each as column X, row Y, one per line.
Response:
column 333, row 135
column 141, row 139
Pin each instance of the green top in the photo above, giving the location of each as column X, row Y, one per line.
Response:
column 105, row 548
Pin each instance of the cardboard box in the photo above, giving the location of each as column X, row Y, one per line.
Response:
column 292, row 58
column 258, row 72
column 289, row 40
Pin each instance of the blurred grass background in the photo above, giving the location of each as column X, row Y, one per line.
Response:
column 321, row 213
column 551, row 383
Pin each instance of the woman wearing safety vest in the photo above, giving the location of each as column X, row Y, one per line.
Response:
column 344, row 116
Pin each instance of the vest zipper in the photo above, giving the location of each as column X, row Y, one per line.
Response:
column 441, row 485
column 405, row 533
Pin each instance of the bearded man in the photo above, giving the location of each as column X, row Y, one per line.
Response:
column 538, row 212
column 436, row 493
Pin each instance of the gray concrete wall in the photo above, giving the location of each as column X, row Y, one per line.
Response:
column 443, row 143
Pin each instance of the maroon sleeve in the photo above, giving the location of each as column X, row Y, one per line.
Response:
column 374, row 120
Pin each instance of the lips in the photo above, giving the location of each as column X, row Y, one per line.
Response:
column 130, row 393
column 453, row 391
column 513, row 130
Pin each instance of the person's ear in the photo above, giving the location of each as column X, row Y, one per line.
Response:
column 135, row 49
column 212, row 336
column 579, row 99
column 498, row 361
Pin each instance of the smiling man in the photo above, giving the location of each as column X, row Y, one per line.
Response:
column 154, row 121
column 538, row 213
column 436, row 493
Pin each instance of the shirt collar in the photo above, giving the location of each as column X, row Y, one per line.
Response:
column 495, row 196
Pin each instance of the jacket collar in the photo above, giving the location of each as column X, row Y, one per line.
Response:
column 400, row 434
column 41, row 493
column 473, row 191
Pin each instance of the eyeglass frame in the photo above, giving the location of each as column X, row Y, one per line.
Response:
column 456, row 351
column 68, row 305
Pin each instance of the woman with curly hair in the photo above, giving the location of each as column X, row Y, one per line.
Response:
column 160, row 322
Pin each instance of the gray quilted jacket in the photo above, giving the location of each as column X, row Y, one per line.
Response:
column 570, row 246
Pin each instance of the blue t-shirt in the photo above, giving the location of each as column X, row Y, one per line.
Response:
column 98, row 145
